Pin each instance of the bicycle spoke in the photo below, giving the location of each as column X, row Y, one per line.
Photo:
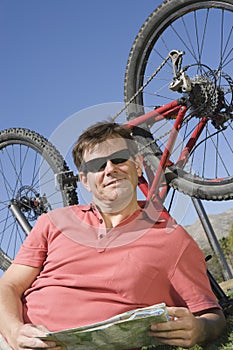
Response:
column 27, row 171
column 203, row 30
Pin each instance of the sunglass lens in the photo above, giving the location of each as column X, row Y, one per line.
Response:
column 96, row 165
column 99, row 164
column 119, row 160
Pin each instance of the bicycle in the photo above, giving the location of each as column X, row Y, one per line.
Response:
column 184, row 141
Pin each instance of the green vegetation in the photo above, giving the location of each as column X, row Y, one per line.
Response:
column 226, row 244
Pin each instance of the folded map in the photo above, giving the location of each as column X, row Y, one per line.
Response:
column 128, row 330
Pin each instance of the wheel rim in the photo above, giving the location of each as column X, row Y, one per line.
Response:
column 27, row 179
column 192, row 32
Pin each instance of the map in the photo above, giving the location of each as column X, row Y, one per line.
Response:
column 125, row 331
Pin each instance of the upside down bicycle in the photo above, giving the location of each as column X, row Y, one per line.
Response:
column 179, row 104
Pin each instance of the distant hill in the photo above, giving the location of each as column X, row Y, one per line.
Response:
column 221, row 224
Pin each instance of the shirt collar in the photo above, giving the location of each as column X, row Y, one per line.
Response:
column 153, row 211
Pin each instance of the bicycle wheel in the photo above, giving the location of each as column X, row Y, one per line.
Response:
column 28, row 165
column 203, row 30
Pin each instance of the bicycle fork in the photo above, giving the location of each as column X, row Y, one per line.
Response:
column 20, row 217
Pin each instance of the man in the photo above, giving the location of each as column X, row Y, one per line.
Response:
column 85, row 263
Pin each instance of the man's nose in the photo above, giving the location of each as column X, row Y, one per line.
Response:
column 110, row 166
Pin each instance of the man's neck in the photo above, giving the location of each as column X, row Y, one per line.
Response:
column 114, row 219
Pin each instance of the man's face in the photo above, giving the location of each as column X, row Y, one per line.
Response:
column 112, row 185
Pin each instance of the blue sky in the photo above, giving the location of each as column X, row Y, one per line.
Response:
column 62, row 56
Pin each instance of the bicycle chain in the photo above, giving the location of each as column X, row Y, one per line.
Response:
column 140, row 89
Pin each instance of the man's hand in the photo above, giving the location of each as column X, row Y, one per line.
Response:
column 185, row 329
column 27, row 336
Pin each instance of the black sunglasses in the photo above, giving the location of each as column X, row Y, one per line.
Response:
column 99, row 164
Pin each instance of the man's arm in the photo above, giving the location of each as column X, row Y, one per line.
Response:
column 186, row 329
column 13, row 284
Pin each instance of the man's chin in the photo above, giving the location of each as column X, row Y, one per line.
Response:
column 113, row 204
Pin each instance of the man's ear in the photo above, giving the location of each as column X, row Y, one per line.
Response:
column 83, row 179
column 139, row 164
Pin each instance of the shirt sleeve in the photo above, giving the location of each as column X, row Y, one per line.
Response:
column 33, row 251
column 190, row 280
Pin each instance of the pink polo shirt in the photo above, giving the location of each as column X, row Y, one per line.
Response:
column 88, row 274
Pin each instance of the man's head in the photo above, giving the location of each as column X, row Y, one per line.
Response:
column 109, row 166
column 98, row 133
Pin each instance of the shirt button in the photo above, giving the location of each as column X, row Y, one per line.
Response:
column 101, row 236
column 101, row 221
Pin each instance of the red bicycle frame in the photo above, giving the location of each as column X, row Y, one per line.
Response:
column 167, row 111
